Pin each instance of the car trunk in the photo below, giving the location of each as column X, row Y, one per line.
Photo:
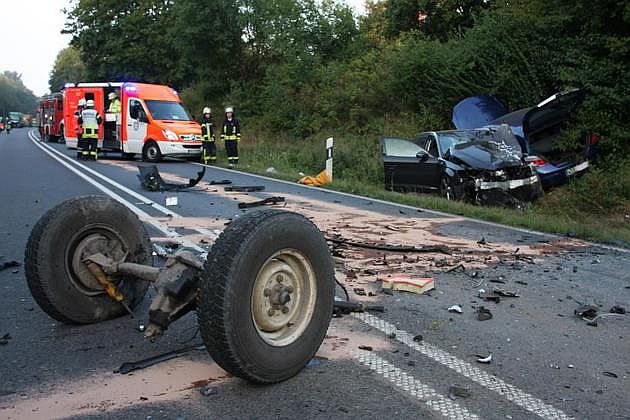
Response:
column 544, row 124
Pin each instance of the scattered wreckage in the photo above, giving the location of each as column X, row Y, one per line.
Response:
column 483, row 166
column 538, row 130
column 264, row 296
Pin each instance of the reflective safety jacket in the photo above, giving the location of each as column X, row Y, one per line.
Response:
column 231, row 130
column 114, row 106
column 207, row 130
column 90, row 119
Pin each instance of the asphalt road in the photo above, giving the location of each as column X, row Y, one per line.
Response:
column 546, row 362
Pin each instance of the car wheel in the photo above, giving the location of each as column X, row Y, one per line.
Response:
column 446, row 188
column 55, row 272
column 62, row 136
column 266, row 299
column 151, row 152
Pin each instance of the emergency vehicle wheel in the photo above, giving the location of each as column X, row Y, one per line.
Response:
column 56, row 275
column 266, row 299
column 151, row 152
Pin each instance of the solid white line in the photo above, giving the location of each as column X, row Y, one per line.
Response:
column 121, row 187
column 405, row 206
column 140, row 213
column 414, row 387
column 491, row 382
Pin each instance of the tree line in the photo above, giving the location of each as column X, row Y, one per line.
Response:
column 14, row 96
column 304, row 66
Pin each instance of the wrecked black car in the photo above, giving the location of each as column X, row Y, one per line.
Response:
column 537, row 128
column 483, row 166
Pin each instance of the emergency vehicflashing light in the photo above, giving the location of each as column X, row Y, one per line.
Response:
column 68, row 85
column 131, row 88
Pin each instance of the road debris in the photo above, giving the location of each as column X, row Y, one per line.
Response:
column 359, row 291
column 610, row 374
column 393, row 248
column 455, row 308
column 617, row 309
column 457, row 267
column 151, row 180
column 342, row 307
column 9, row 264
column 486, row 360
column 482, row 241
column 368, row 348
column 417, row 285
column 266, row 201
column 4, row 340
column 171, row 201
column 505, row 293
column 586, row 311
column 418, row 338
column 457, row 390
column 245, row 188
column 208, row 390
column 221, row 182
column 483, row 314
column 145, row 363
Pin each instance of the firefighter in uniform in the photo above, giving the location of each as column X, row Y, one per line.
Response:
column 79, row 130
column 90, row 119
column 208, row 145
column 231, row 135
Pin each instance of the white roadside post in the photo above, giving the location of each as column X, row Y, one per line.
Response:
column 329, row 157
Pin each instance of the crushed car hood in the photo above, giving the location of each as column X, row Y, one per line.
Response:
column 477, row 112
column 485, row 155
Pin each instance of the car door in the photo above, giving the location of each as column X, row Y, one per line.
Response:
column 137, row 122
column 403, row 162
column 432, row 167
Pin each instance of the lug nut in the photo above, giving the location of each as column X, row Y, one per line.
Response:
column 267, row 292
column 285, row 310
column 280, row 278
column 271, row 312
column 290, row 289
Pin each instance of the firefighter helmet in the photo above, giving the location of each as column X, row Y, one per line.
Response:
column 111, row 96
column 89, row 103
column 229, row 109
column 207, row 110
column 82, row 102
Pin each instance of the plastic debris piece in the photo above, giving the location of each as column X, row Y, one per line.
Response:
column 483, row 314
column 455, row 308
column 457, row 390
column 246, row 188
column 487, row 359
column 586, row 311
column 271, row 170
column 617, row 309
column 417, row 285
column 610, row 374
column 208, row 390
column 151, row 180
column 505, row 293
column 266, row 201
column 9, row 264
column 367, row 348
column 359, row 291
column 418, row 338
column 171, row 201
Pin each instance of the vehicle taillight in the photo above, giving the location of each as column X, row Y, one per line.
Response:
column 535, row 160
column 594, row 139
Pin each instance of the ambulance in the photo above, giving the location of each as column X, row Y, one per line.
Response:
column 153, row 122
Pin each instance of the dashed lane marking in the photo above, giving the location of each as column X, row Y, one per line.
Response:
column 491, row 382
column 415, row 388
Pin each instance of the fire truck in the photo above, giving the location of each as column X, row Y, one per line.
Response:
column 153, row 121
column 50, row 118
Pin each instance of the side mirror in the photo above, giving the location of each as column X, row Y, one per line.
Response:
column 422, row 156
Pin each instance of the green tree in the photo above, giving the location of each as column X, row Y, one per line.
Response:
column 68, row 68
column 14, row 96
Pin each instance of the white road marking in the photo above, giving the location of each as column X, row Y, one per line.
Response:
column 140, row 213
column 491, row 382
column 121, row 187
column 409, row 384
column 404, row 206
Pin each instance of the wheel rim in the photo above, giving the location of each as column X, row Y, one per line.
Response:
column 445, row 189
column 90, row 240
column 152, row 152
column 284, row 297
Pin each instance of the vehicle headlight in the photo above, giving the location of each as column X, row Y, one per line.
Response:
column 169, row 135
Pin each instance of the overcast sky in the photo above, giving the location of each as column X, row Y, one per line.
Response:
column 31, row 38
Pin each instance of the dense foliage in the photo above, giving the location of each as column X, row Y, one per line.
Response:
column 14, row 96
column 68, row 68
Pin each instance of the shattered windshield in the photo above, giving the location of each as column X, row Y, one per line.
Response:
column 499, row 140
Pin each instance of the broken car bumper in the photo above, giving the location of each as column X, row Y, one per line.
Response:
column 506, row 185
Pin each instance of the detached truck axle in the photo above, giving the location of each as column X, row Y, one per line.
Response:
column 263, row 296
